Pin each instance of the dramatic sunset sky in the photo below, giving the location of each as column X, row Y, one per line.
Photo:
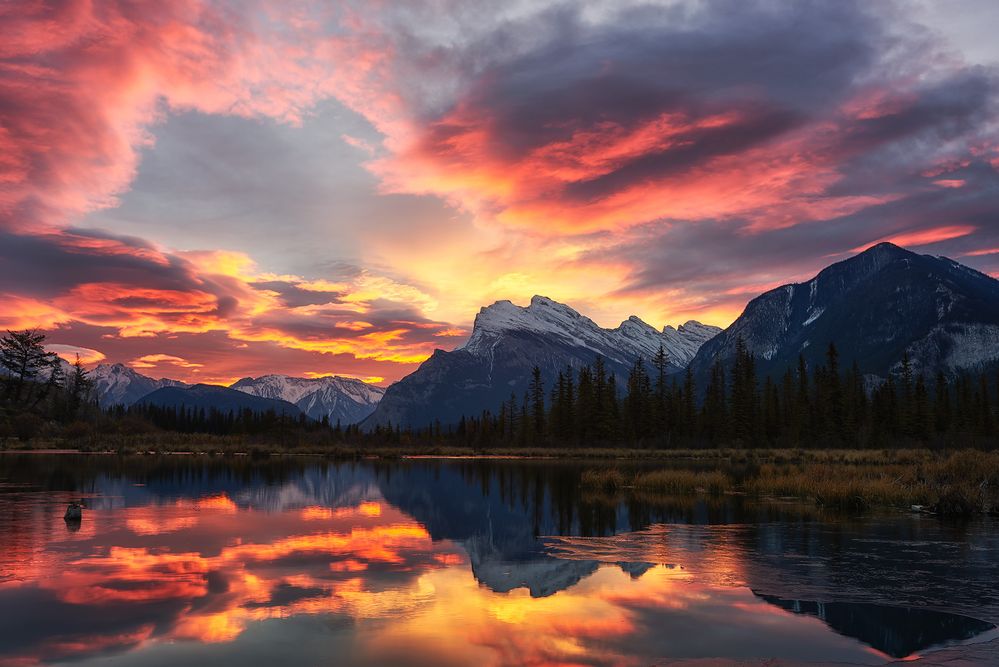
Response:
column 208, row 189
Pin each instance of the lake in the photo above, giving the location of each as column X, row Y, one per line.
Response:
column 202, row 560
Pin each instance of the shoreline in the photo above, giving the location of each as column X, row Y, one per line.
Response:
column 958, row 483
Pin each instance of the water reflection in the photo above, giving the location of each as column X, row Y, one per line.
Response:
column 897, row 631
column 239, row 562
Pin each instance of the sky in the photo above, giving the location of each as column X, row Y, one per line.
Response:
column 208, row 190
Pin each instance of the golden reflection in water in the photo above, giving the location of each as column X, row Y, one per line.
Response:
column 720, row 551
column 260, row 554
column 206, row 571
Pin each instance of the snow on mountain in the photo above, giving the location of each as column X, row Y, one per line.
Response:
column 507, row 342
column 876, row 307
column 558, row 322
column 341, row 399
column 117, row 384
column 346, row 400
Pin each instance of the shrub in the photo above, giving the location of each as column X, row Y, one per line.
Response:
column 602, row 480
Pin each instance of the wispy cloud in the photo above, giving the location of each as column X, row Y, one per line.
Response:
column 664, row 159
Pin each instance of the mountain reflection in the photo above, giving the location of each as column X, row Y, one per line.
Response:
column 423, row 563
column 897, row 631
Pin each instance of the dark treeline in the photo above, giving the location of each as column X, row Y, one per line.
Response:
column 189, row 419
column 825, row 406
column 37, row 394
column 40, row 399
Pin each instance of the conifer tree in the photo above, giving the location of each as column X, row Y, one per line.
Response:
column 689, row 403
column 906, row 396
column 537, row 391
column 941, row 404
column 79, row 389
column 660, row 412
column 23, row 355
column 714, row 416
column 921, row 422
column 743, row 394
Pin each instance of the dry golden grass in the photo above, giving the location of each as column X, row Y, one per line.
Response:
column 847, row 486
column 679, row 481
column 962, row 482
column 609, row 480
column 669, row 481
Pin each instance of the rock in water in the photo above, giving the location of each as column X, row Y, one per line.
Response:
column 74, row 512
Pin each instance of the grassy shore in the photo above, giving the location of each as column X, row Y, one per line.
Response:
column 170, row 442
column 956, row 483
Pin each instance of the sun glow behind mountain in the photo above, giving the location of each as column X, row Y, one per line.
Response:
column 209, row 190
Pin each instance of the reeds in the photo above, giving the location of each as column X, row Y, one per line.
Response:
column 681, row 482
column 963, row 482
column 670, row 481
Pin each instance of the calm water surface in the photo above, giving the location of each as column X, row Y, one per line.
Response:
column 183, row 560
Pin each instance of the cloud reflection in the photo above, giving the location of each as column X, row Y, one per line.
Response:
column 449, row 571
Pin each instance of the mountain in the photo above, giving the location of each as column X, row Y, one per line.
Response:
column 117, row 384
column 341, row 399
column 897, row 631
column 507, row 341
column 875, row 307
column 223, row 399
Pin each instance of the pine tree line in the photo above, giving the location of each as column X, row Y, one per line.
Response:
column 584, row 407
column 806, row 407
column 190, row 419
column 34, row 388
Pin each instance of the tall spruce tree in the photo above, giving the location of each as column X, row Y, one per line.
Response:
column 25, row 360
column 537, row 390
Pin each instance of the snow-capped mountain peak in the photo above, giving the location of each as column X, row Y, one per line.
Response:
column 508, row 341
column 339, row 399
column 118, row 384
column 542, row 316
column 559, row 322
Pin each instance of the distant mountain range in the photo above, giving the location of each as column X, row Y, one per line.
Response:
column 117, row 384
column 344, row 400
column 340, row 399
column 876, row 307
column 507, row 342
column 211, row 396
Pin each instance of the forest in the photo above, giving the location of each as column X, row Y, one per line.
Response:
column 806, row 407
column 821, row 407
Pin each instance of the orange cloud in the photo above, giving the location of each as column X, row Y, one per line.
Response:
column 552, row 150
column 140, row 292
column 950, row 183
column 153, row 360
column 71, row 353
column 923, row 236
column 113, row 69
column 982, row 252
column 26, row 313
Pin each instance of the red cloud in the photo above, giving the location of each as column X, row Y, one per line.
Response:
column 603, row 129
column 922, row 237
column 82, row 81
column 552, row 125
column 129, row 290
